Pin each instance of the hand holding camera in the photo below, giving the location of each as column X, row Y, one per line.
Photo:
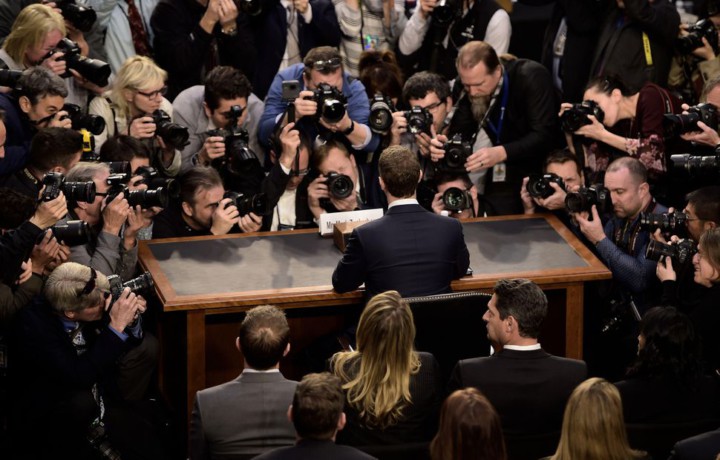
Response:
column 305, row 105
column 486, row 157
column 427, row 7
column 213, row 147
column 124, row 310
column 547, row 190
column 142, row 127
column 591, row 228
column 290, row 141
column 115, row 214
column 665, row 270
column 136, row 219
column 44, row 252
column 225, row 216
column 250, row 222
column 50, row 211
column 437, row 147
column 27, row 271
column 55, row 63
column 60, row 120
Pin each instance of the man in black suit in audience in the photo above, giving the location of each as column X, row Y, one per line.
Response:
column 527, row 386
column 248, row 415
column 317, row 413
column 700, row 447
column 410, row 250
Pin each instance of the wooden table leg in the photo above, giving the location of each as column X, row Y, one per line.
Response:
column 195, row 356
column 574, row 321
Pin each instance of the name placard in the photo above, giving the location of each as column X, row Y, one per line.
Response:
column 328, row 220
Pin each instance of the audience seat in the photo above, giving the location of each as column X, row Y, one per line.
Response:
column 410, row 451
column 659, row 439
column 531, row 447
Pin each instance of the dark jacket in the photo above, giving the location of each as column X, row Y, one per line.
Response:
column 19, row 135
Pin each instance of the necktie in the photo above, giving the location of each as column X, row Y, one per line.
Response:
column 293, row 47
column 137, row 30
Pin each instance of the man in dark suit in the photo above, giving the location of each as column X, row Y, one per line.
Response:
column 700, row 447
column 409, row 250
column 317, row 413
column 247, row 415
column 527, row 386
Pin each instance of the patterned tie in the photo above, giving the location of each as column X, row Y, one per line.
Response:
column 137, row 29
column 293, row 47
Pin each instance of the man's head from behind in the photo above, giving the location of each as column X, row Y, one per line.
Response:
column 515, row 312
column 55, row 150
column 226, row 87
column 317, row 407
column 626, row 179
column 126, row 148
column 77, row 292
column 400, row 171
column 41, row 94
column 201, row 189
column 264, row 337
column 703, row 210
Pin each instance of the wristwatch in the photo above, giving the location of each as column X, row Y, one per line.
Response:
column 350, row 128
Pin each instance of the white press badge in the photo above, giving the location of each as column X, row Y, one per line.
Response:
column 499, row 172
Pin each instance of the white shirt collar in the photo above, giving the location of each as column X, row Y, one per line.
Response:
column 522, row 347
column 247, row 370
column 403, row 202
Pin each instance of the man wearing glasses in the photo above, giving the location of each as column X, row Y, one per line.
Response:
column 321, row 65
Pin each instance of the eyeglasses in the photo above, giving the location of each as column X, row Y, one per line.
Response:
column 153, row 94
column 90, row 285
column 329, row 64
column 434, row 106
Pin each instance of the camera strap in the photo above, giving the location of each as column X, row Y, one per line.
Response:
column 497, row 130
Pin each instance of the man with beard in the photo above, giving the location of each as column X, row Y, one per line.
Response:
column 507, row 112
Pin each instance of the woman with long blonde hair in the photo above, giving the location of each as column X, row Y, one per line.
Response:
column 593, row 426
column 392, row 391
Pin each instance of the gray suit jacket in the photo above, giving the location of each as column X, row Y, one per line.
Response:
column 244, row 416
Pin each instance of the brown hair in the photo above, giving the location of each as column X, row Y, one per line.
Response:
column 320, row 153
column 523, row 300
column 264, row 335
column 198, row 178
column 379, row 73
column 400, row 171
column 710, row 244
column 475, row 52
column 317, row 405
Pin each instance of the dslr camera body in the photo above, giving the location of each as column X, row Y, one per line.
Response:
column 74, row 191
column 687, row 122
column 457, row 200
column 173, row 134
column 419, row 120
column 665, row 221
column 257, row 204
column 680, row 252
column 94, row 70
column 331, row 103
column 238, row 155
column 704, row 28
column 381, row 110
column 457, row 152
column 92, row 123
column 576, row 117
column 340, row 186
column 117, row 183
column 539, row 186
column 81, row 16
column 586, row 197
column 697, row 164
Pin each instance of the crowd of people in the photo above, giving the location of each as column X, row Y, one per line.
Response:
column 132, row 120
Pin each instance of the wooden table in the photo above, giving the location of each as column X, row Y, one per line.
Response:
column 201, row 278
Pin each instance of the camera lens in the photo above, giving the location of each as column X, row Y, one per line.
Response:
column 339, row 185
column 332, row 110
column 148, row 198
column 575, row 202
column 80, row 191
column 72, row 232
column 454, row 199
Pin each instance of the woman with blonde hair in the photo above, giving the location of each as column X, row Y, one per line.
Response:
column 392, row 391
column 593, row 425
column 469, row 429
column 137, row 91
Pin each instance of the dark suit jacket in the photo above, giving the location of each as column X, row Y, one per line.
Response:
column 529, row 389
column 244, row 416
column 701, row 447
column 310, row 449
column 410, row 250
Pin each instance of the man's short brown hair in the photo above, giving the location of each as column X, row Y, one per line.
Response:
column 475, row 52
column 264, row 335
column 399, row 170
column 321, row 53
column 317, row 405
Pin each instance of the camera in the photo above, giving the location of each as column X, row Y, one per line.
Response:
column 576, row 117
column 586, row 197
column 539, row 186
column 142, row 282
column 154, row 181
column 696, row 32
column 250, row 7
column 117, row 184
column 381, row 110
column 457, row 200
column 70, row 233
column 419, row 120
column 331, row 103
column 695, row 164
column 257, row 204
column 665, row 221
column 174, row 135
column 680, row 252
column 81, row 16
column 339, row 185
column 457, row 152
column 74, row 191
column 10, row 78
column 94, row 70
column 238, row 155
column 687, row 122
column 445, row 12
column 120, row 167
column 92, row 123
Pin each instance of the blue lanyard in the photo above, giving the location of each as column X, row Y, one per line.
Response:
column 503, row 104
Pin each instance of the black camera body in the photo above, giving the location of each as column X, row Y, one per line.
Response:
column 71, row 233
column 457, row 200
column 457, row 152
column 238, row 155
column 419, row 120
column 94, row 70
column 381, row 110
column 675, row 125
column 117, row 183
column 680, row 252
column 250, row 7
column 81, row 16
column 664, row 221
column 539, row 186
column 331, row 103
column 174, row 135
column 74, row 191
column 10, row 78
column 339, row 185
column 136, row 285
column 697, row 164
column 576, row 117
column 257, row 204
column 153, row 180
column 586, row 197
column 445, row 12
column 92, row 123
column 693, row 40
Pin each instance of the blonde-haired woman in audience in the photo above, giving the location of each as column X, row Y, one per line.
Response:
column 469, row 429
column 593, row 426
column 392, row 391
column 137, row 91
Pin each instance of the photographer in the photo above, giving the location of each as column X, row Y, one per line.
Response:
column 133, row 107
column 438, row 29
column 126, row 148
column 707, row 135
column 457, row 196
column 113, row 249
column 564, row 165
column 322, row 66
column 203, row 209
column 71, row 377
column 37, row 103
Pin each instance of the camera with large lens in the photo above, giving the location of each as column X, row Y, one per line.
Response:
column 153, row 180
column 238, row 155
column 146, row 199
column 586, row 197
column 457, row 200
column 688, row 122
column 330, row 101
column 693, row 40
column 445, row 12
column 419, row 120
column 381, row 110
column 257, row 204
column 10, row 78
column 576, row 117
column 120, row 167
column 339, row 185
column 539, row 186
column 94, row 70
column 250, row 7
column 680, row 252
column 136, row 285
column 74, row 191
column 174, row 135
column 696, row 164
column 93, row 123
column 71, row 233
column 457, row 152
column 82, row 17
column 664, row 221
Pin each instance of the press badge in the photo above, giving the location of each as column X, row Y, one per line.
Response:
column 371, row 42
column 499, row 171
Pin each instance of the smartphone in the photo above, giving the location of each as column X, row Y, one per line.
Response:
column 290, row 90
